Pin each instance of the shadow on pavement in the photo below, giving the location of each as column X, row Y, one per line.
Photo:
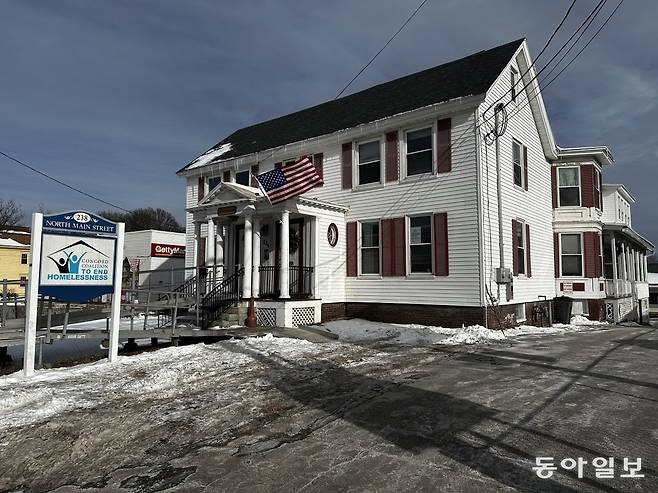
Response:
column 412, row 418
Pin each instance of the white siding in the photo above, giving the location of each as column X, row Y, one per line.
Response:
column 533, row 206
column 191, row 199
column 454, row 192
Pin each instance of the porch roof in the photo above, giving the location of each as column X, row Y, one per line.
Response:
column 233, row 194
column 631, row 234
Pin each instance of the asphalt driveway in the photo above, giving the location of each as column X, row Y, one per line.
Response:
column 362, row 418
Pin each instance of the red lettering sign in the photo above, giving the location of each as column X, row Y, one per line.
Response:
column 164, row 250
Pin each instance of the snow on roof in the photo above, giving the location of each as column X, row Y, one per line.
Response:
column 210, row 155
column 8, row 242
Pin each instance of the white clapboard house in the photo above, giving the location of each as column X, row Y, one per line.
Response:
column 414, row 213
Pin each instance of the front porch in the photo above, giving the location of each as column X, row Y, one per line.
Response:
column 246, row 247
column 625, row 268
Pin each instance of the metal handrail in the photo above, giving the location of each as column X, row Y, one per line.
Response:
column 221, row 298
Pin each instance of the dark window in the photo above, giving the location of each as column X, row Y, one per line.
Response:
column 513, row 78
column 597, row 189
column 23, row 282
column 569, row 186
column 572, row 255
column 23, row 258
column 520, row 246
column 243, row 178
column 370, row 248
column 420, row 244
column 518, row 166
column 214, row 181
column 369, row 163
column 419, row 151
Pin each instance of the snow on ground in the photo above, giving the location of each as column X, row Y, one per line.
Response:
column 159, row 374
column 357, row 330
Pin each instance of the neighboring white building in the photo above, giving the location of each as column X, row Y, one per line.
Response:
column 160, row 251
column 410, row 222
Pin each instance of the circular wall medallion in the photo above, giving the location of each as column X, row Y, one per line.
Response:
column 332, row 234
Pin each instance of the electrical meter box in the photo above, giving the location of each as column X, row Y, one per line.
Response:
column 503, row 275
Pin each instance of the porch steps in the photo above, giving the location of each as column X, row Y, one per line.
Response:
column 235, row 315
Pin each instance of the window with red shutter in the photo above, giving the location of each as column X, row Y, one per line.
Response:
column 393, row 247
column 201, row 188
column 392, row 157
column 227, row 176
column 527, row 251
column 254, row 173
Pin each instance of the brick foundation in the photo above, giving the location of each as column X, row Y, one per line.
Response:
column 436, row 315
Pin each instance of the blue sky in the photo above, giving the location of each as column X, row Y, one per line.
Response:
column 115, row 96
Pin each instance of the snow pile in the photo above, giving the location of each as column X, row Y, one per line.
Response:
column 211, row 155
column 357, row 330
column 159, row 374
column 579, row 320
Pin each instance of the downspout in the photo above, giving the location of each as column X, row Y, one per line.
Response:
column 480, row 212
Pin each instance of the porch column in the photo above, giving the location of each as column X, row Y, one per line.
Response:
column 247, row 255
column 613, row 248
column 255, row 287
column 197, row 270
column 210, row 251
column 638, row 267
column 623, row 261
column 220, row 253
column 284, row 291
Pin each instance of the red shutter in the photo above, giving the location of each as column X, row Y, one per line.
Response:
column 556, row 253
column 554, row 185
column 226, row 177
column 441, row 244
column 201, row 189
column 528, row 268
column 444, row 145
column 525, row 167
column 254, row 172
column 393, row 247
column 318, row 163
column 590, row 251
column 400, row 231
column 347, row 165
column 587, row 185
column 351, row 253
column 278, row 165
column 515, row 245
column 392, row 157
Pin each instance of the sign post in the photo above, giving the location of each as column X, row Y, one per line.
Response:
column 76, row 257
column 32, row 296
column 115, row 316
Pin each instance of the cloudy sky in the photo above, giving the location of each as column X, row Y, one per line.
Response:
column 114, row 96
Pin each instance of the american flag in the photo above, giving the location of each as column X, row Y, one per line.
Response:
column 292, row 180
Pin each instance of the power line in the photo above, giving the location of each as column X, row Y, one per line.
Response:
column 404, row 24
column 18, row 161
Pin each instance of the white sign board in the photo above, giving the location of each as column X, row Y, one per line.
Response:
column 567, row 287
column 71, row 261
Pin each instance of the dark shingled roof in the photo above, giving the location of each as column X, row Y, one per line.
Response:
column 467, row 76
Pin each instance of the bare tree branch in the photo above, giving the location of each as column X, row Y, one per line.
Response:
column 10, row 214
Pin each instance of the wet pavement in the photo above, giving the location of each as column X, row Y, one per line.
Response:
column 360, row 418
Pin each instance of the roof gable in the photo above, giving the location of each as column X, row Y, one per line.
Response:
column 469, row 76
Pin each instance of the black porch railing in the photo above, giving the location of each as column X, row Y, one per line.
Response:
column 300, row 282
column 221, row 298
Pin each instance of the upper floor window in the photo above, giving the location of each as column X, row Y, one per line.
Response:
column 370, row 247
column 369, row 168
column 517, row 152
column 214, row 181
column 520, row 246
column 569, row 186
column 243, row 178
column 420, row 244
column 513, row 79
column 597, row 189
column 419, row 151
column 23, row 258
column 571, row 253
